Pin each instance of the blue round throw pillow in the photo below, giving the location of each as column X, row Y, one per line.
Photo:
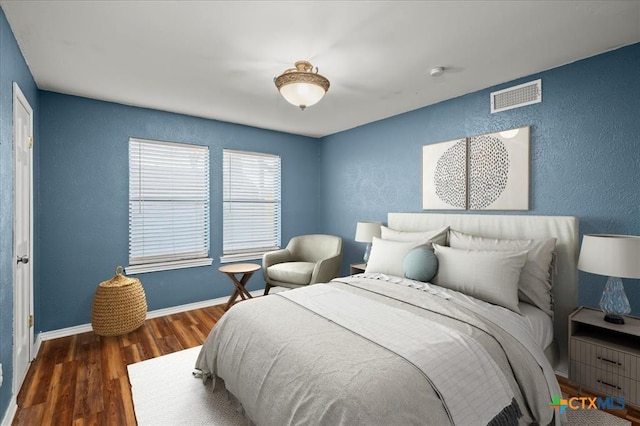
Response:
column 420, row 264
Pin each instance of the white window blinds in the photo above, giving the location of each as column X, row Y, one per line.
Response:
column 251, row 204
column 168, row 205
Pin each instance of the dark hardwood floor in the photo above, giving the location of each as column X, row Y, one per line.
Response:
column 83, row 380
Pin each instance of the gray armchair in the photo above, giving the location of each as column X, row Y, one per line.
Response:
column 307, row 259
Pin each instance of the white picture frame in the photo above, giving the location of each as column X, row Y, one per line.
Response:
column 444, row 175
column 498, row 170
column 482, row 172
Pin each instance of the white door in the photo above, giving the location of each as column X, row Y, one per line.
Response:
column 22, row 236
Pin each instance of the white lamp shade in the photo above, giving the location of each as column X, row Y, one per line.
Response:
column 302, row 94
column 610, row 255
column 365, row 231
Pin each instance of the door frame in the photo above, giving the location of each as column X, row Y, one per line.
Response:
column 18, row 97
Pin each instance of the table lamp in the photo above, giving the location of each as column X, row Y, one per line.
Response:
column 365, row 231
column 615, row 256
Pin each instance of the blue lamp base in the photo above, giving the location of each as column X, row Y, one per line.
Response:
column 614, row 302
column 367, row 252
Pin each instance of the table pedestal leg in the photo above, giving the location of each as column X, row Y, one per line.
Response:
column 239, row 289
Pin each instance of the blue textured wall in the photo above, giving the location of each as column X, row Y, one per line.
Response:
column 84, row 200
column 12, row 68
column 585, row 155
column 585, row 161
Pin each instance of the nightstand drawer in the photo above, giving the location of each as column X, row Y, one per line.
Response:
column 605, row 382
column 603, row 358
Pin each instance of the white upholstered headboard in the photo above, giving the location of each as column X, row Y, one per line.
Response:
column 564, row 228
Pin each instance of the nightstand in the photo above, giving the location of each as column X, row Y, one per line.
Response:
column 605, row 357
column 357, row 268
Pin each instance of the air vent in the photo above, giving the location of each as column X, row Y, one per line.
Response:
column 516, row 96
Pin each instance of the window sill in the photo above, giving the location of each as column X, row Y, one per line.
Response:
column 166, row 266
column 229, row 258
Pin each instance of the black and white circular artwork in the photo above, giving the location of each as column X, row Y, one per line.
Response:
column 488, row 170
column 450, row 175
column 480, row 172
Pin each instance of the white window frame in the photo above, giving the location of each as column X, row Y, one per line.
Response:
column 250, row 179
column 169, row 208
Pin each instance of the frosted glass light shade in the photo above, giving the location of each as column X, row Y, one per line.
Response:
column 302, row 94
column 301, row 86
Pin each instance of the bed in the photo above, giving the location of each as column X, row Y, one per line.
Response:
column 379, row 348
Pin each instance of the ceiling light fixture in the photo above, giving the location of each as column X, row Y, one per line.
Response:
column 301, row 86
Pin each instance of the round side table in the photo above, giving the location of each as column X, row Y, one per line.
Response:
column 244, row 269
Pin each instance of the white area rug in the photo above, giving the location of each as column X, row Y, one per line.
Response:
column 165, row 393
column 593, row 418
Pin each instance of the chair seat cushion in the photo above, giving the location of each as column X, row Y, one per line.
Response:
column 291, row 272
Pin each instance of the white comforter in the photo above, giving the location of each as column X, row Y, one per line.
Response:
column 374, row 350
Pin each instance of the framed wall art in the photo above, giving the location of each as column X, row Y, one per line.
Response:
column 483, row 172
column 444, row 175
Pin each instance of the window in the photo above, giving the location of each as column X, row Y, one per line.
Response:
column 251, row 204
column 168, row 206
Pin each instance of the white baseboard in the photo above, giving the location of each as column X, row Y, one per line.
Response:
column 83, row 328
column 12, row 409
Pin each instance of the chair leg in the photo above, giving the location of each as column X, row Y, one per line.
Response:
column 267, row 287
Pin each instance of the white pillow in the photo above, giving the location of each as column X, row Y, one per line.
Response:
column 438, row 236
column 387, row 256
column 534, row 286
column 491, row 276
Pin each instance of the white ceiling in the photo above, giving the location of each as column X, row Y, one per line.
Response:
column 217, row 59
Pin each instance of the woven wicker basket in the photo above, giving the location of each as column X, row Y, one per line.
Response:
column 119, row 305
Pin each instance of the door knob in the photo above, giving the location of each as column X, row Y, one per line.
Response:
column 23, row 259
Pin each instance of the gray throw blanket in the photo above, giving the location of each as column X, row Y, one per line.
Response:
column 368, row 352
